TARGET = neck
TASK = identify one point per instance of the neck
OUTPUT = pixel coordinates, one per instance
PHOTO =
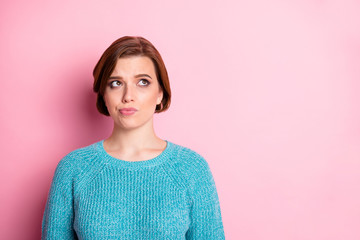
(133, 139)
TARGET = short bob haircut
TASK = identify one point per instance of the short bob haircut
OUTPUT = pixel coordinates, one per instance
(126, 47)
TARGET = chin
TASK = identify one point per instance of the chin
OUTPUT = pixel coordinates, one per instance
(130, 126)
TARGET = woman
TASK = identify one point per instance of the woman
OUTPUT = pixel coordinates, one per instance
(132, 185)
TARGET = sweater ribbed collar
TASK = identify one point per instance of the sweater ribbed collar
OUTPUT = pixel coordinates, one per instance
(161, 158)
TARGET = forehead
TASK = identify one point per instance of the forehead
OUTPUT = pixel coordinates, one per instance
(134, 65)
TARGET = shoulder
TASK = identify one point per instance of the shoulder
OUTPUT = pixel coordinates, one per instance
(191, 171)
(78, 160)
(187, 156)
(82, 153)
(188, 164)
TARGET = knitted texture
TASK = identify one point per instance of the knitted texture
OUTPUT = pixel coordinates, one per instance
(96, 196)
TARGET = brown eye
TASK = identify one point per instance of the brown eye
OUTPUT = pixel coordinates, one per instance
(115, 83)
(144, 82)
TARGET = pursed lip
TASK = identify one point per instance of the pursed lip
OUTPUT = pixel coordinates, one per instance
(127, 111)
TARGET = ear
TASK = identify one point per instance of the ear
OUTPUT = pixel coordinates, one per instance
(103, 97)
(160, 96)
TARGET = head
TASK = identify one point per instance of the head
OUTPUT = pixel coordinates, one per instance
(127, 47)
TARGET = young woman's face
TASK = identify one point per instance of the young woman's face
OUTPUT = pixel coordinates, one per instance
(132, 92)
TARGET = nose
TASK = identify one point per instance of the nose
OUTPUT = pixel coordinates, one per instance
(128, 94)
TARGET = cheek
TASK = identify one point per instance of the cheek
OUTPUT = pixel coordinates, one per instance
(154, 99)
(109, 101)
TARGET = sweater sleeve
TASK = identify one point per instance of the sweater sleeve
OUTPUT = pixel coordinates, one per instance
(57, 222)
(206, 221)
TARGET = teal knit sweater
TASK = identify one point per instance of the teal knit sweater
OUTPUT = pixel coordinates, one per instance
(95, 196)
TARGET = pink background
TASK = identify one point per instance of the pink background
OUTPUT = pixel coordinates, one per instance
(266, 91)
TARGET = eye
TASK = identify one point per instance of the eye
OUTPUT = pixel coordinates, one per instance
(144, 82)
(115, 83)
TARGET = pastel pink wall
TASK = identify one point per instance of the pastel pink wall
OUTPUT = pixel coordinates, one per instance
(267, 91)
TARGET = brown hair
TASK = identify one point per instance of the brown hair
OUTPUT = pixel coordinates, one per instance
(125, 47)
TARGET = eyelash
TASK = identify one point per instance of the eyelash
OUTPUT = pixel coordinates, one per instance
(146, 81)
(111, 84)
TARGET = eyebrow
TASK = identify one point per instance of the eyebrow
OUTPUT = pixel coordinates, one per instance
(138, 75)
(143, 75)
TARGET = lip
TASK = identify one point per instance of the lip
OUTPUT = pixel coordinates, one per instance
(127, 111)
